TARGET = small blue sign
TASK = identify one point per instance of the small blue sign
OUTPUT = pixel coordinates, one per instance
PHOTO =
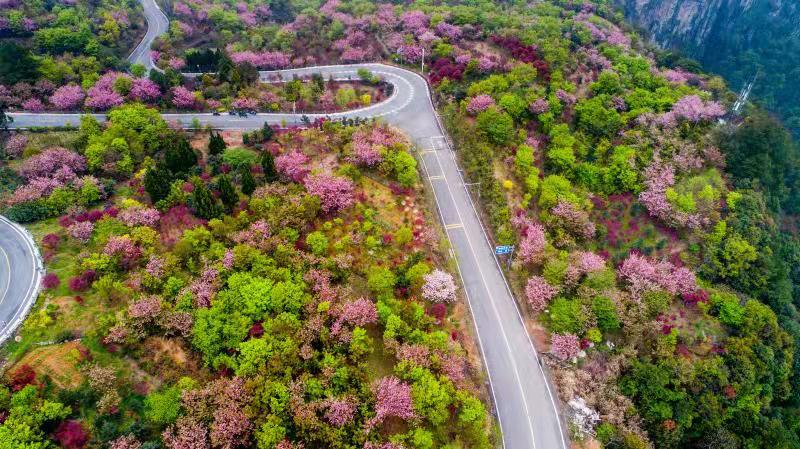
(504, 249)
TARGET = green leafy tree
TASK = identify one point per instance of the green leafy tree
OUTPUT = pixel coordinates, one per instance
(496, 125)
(30, 418)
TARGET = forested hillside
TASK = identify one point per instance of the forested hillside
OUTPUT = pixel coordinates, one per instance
(291, 291)
(738, 39)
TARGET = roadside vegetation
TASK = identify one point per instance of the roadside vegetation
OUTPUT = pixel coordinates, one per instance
(655, 239)
(285, 292)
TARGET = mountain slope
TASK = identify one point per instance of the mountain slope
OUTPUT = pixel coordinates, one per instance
(735, 38)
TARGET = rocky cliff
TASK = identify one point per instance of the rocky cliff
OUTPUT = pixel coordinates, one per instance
(735, 38)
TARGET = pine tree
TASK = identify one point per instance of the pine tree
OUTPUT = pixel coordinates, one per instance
(202, 202)
(267, 132)
(216, 144)
(248, 182)
(157, 182)
(268, 164)
(227, 192)
(179, 156)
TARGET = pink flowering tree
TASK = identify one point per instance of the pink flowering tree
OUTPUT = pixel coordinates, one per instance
(33, 105)
(335, 193)
(81, 231)
(155, 266)
(584, 262)
(340, 412)
(293, 165)
(186, 434)
(439, 286)
(564, 347)
(144, 90)
(125, 442)
(360, 312)
(67, 98)
(539, 293)
(183, 98)
(692, 109)
(50, 161)
(102, 98)
(643, 275)
(392, 399)
(15, 145)
(540, 106)
(231, 427)
(532, 244)
(479, 104)
(139, 216)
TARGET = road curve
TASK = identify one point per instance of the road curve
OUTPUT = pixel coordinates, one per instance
(526, 406)
(157, 24)
(20, 276)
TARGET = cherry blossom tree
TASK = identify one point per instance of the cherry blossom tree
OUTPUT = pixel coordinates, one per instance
(48, 162)
(15, 145)
(155, 266)
(539, 293)
(449, 31)
(183, 98)
(139, 216)
(439, 286)
(231, 428)
(293, 165)
(340, 411)
(100, 98)
(335, 193)
(126, 442)
(532, 243)
(643, 275)
(540, 106)
(360, 312)
(144, 90)
(186, 434)
(33, 105)
(392, 399)
(68, 97)
(123, 247)
(564, 346)
(479, 103)
(81, 231)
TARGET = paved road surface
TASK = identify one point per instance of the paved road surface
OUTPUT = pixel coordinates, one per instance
(20, 276)
(157, 24)
(525, 405)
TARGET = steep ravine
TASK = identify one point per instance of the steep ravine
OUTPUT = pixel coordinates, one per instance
(734, 38)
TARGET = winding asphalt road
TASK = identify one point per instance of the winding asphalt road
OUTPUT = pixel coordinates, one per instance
(20, 276)
(157, 24)
(526, 406)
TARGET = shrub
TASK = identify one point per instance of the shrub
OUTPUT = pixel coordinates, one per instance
(51, 281)
(566, 316)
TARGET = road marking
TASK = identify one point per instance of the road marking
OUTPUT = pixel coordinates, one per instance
(454, 226)
(8, 270)
(509, 350)
(505, 281)
(436, 178)
(31, 292)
